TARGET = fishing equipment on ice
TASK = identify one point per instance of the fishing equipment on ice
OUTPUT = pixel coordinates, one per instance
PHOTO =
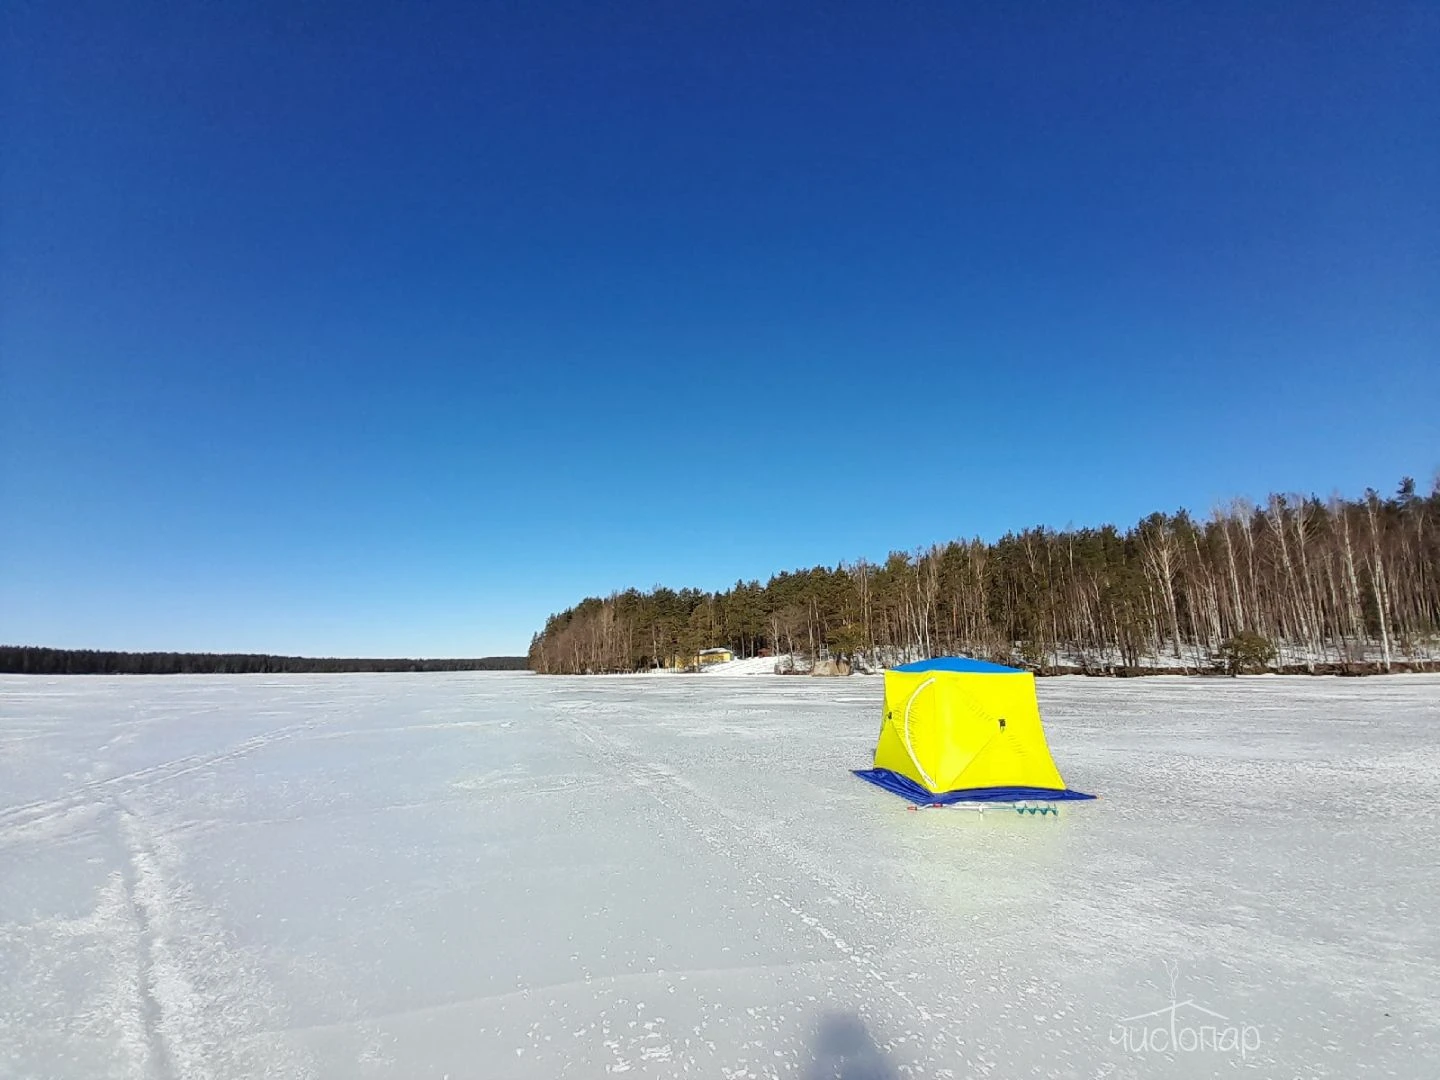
(997, 807)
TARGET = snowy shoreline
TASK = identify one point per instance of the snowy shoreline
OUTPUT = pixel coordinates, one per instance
(768, 666)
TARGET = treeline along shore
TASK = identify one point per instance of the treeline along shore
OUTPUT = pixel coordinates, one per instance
(1293, 583)
(33, 660)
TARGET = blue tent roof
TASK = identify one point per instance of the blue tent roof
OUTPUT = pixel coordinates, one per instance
(962, 664)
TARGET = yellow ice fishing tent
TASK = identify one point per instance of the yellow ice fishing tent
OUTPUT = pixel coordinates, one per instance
(958, 730)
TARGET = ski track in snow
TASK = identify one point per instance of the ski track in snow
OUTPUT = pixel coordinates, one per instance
(493, 875)
(18, 822)
(713, 824)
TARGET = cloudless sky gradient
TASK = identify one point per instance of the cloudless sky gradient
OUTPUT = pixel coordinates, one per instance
(389, 329)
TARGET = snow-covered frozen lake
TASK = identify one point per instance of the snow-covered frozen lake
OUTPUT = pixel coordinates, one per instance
(504, 876)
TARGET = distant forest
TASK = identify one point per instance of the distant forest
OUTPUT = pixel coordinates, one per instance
(29, 660)
(1297, 582)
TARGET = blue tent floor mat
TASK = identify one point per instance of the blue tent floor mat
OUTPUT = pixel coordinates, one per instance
(909, 789)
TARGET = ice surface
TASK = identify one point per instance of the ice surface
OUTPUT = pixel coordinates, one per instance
(496, 875)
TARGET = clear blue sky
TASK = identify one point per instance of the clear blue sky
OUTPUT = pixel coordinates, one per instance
(347, 328)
